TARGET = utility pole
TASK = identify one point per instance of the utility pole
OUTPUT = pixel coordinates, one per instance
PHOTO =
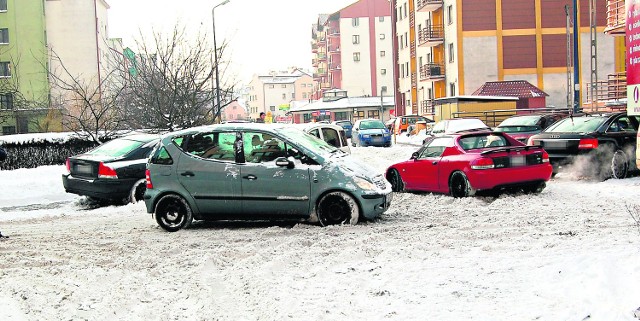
(576, 59)
(569, 60)
(594, 54)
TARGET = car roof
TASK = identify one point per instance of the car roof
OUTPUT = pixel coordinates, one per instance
(227, 126)
(310, 126)
(140, 137)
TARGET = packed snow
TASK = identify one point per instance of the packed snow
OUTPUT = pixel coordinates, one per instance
(569, 253)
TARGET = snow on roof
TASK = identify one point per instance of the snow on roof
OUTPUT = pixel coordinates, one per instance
(345, 103)
(514, 88)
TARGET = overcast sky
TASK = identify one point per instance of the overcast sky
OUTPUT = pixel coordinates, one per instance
(264, 34)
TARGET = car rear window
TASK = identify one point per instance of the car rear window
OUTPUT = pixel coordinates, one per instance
(483, 141)
(577, 125)
(517, 129)
(116, 148)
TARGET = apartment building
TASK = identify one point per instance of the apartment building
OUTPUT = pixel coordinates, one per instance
(78, 46)
(353, 49)
(23, 58)
(450, 48)
(273, 93)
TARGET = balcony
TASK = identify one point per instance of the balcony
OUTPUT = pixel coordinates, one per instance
(334, 50)
(432, 72)
(608, 94)
(429, 5)
(322, 56)
(314, 48)
(431, 36)
(334, 33)
(315, 62)
(427, 108)
(616, 14)
(334, 67)
(325, 85)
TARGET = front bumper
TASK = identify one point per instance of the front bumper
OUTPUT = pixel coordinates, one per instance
(375, 204)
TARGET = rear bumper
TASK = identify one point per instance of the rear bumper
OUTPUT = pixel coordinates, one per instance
(488, 179)
(111, 189)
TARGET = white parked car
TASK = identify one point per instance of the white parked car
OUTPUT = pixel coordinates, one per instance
(334, 135)
(456, 125)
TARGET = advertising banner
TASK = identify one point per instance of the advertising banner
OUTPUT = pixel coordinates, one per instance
(632, 41)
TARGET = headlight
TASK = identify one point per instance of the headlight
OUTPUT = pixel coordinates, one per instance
(364, 184)
(366, 136)
(387, 134)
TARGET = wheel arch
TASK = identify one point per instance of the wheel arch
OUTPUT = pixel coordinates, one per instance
(194, 209)
(350, 193)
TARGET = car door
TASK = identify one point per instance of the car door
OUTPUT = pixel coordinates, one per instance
(423, 173)
(214, 183)
(269, 189)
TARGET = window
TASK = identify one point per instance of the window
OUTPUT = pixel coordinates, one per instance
(401, 42)
(5, 70)
(373, 114)
(405, 9)
(356, 56)
(356, 39)
(260, 147)
(406, 39)
(382, 36)
(6, 101)
(272, 108)
(436, 147)
(381, 19)
(304, 95)
(383, 71)
(452, 89)
(284, 96)
(451, 55)
(341, 115)
(355, 21)
(383, 53)
(271, 86)
(4, 35)
(3, 7)
(450, 14)
(284, 86)
(8, 130)
(293, 95)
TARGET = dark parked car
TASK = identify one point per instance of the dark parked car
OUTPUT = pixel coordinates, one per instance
(606, 142)
(113, 171)
(521, 127)
(346, 124)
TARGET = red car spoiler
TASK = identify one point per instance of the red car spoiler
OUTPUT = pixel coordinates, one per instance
(510, 149)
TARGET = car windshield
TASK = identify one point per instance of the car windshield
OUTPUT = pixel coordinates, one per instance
(372, 124)
(577, 125)
(516, 128)
(307, 141)
(116, 148)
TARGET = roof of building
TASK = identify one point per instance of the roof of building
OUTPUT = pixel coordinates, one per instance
(446, 100)
(514, 88)
(345, 103)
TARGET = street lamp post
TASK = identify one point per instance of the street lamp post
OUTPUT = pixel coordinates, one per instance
(216, 113)
(383, 89)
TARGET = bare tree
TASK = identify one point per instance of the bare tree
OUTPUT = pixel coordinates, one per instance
(170, 85)
(92, 107)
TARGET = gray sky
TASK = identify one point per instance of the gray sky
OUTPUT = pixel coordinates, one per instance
(264, 34)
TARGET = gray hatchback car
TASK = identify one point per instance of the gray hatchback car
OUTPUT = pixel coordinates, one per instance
(258, 172)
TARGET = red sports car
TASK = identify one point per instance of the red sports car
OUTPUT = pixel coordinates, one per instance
(463, 163)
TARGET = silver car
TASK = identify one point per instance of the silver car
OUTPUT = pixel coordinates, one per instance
(257, 172)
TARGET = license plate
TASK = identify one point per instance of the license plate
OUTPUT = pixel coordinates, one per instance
(518, 160)
(377, 139)
(554, 144)
(83, 169)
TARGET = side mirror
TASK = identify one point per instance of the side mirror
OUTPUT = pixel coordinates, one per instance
(284, 162)
(414, 155)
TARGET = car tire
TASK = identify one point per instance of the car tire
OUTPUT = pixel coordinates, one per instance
(397, 185)
(137, 192)
(459, 185)
(173, 213)
(336, 208)
(535, 188)
(619, 165)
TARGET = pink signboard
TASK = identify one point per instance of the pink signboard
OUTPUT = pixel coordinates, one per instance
(632, 34)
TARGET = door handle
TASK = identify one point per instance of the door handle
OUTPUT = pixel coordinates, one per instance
(188, 174)
(250, 177)
(434, 163)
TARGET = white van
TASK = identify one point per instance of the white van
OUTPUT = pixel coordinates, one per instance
(334, 135)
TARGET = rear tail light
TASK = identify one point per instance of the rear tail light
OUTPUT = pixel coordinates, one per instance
(545, 157)
(105, 171)
(482, 163)
(147, 176)
(68, 164)
(588, 143)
